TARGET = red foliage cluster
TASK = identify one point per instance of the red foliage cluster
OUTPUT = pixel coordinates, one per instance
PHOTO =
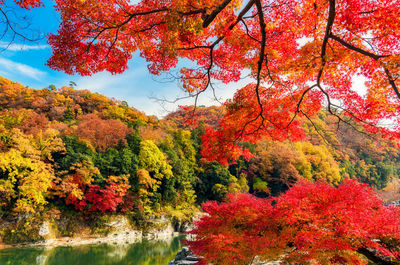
(27, 4)
(27, 121)
(312, 222)
(246, 119)
(99, 199)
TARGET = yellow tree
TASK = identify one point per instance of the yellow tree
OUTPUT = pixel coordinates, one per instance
(24, 177)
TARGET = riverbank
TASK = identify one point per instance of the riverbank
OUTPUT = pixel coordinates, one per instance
(125, 237)
(116, 230)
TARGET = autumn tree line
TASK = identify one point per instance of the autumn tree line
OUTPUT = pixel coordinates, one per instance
(73, 149)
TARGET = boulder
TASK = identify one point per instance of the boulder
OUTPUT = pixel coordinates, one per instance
(185, 257)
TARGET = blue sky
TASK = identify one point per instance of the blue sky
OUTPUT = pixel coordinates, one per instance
(24, 62)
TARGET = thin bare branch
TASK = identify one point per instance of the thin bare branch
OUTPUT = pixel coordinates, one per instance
(354, 48)
(375, 57)
(209, 18)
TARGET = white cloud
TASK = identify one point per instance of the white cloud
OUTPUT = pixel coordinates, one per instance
(105, 81)
(13, 69)
(21, 47)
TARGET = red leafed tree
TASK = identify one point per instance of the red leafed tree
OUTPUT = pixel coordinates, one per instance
(104, 199)
(96, 198)
(101, 134)
(99, 199)
(301, 54)
(312, 223)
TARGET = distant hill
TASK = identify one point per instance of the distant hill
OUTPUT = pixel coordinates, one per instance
(187, 117)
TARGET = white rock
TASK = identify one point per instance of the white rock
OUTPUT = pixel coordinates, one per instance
(44, 229)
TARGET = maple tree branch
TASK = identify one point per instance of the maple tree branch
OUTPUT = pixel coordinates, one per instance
(367, 12)
(209, 18)
(262, 52)
(391, 82)
(150, 27)
(329, 24)
(102, 29)
(238, 19)
(259, 69)
(209, 68)
(299, 104)
(191, 95)
(328, 35)
(340, 119)
(328, 29)
(208, 74)
(113, 43)
(316, 128)
(375, 57)
(247, 31)
(132, 15)
(212, 46)
(352, 115)
(354, 48)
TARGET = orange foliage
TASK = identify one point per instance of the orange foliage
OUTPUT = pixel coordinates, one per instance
(101, 134)
(184, 117)
(27, 121)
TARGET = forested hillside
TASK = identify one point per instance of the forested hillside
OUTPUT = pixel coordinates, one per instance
(71, 149)
(330, 152)
(81, 149)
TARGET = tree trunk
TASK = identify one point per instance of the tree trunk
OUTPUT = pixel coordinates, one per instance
(377, 259)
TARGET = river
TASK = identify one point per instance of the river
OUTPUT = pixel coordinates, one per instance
(147, 252)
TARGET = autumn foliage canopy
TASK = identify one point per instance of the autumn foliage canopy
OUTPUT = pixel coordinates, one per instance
(302, 56)
(312, 222)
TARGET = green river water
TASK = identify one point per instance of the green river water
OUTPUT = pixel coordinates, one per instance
(144, 253)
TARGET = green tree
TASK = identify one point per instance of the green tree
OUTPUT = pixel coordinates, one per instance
(69, 115)
(182, 157)
(215, 181)
(152, 160)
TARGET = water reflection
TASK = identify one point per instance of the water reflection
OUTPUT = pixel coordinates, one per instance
(144, 253)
